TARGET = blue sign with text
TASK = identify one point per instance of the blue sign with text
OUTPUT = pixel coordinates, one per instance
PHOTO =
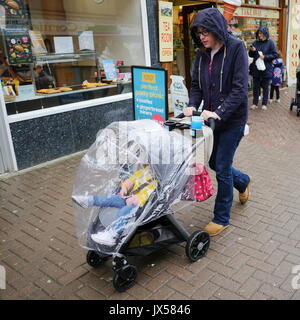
(150, 94)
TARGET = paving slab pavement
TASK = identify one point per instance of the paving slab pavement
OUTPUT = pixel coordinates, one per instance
(253, 259)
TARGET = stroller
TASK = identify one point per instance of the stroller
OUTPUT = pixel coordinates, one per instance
(119, 150)
(296, 101)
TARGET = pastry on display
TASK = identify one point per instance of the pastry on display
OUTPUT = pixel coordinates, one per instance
(9, 98)
(110, 81)
(42, 91)
(65, 89)
(53, 91)
(48, 91)
(89, 85)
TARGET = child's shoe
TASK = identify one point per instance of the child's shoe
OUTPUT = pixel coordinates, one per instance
(264, 107)
(278, 100)
(106, 237)
(253, 107)
(82, 201)
(271, 100)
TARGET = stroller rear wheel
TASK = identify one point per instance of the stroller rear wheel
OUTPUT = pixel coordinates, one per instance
(197, 245)
(292, 104)
(125, 277)
(94, 259)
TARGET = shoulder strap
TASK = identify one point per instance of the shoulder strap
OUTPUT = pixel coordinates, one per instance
(142, 186)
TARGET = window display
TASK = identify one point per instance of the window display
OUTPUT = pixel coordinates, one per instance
(245, 28)
(246, 21)
(60, 48)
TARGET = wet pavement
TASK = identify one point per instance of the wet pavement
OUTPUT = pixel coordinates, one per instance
(253, 259)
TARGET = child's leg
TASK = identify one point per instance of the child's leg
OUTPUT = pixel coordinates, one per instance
(277, 93)
(107, 201)
(125, 211)
(123, 218)
(272, 92)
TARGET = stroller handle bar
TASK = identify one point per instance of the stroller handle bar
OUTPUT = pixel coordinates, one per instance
(211, 122)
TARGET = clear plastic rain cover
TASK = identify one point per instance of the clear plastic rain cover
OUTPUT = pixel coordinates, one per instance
(131, 176)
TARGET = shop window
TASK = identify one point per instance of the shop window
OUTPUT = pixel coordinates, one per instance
(65, 51)
(246, 22)
(245, 28)
(269, 3)
(252, 1)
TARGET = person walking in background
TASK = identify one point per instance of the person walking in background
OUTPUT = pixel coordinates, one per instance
(263, 48)
(277, 77)
(220, 81)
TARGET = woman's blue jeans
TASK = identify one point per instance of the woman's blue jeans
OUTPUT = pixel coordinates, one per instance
(225, 145)
(115, 201)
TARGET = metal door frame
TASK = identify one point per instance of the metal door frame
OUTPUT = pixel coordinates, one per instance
(7, 153)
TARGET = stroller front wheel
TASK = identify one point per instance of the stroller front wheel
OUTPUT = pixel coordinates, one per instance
(94, 259)
(197, 245)
(125, 277)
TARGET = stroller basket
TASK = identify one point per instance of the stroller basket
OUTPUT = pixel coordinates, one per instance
(148, 240)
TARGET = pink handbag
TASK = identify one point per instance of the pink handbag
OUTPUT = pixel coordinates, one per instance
(199, 186)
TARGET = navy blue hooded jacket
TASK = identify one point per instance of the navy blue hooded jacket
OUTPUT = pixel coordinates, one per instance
(225, 91)
(267, 47)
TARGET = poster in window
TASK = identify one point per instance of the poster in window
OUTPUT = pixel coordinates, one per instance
(63, 45)
(166, 31)
(18, 46)
(15, 10)
(38, 44)
(86, 40)
(110, 69)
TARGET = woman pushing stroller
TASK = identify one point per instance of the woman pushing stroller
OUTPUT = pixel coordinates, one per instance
(134, 193)
(220, 80)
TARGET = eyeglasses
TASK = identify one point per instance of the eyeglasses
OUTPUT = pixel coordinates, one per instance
(203, 33)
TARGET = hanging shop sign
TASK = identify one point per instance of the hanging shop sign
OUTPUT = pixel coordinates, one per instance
(294, 40)
(165, 31)
(253, 13)
(150, 93)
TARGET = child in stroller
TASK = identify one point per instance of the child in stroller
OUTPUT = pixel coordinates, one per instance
(296, 101)
(162, 160)
(134, 193)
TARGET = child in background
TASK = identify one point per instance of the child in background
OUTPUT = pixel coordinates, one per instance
(277, 77)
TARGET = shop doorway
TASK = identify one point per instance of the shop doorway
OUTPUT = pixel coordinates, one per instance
(184, 49)
(189, 13)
